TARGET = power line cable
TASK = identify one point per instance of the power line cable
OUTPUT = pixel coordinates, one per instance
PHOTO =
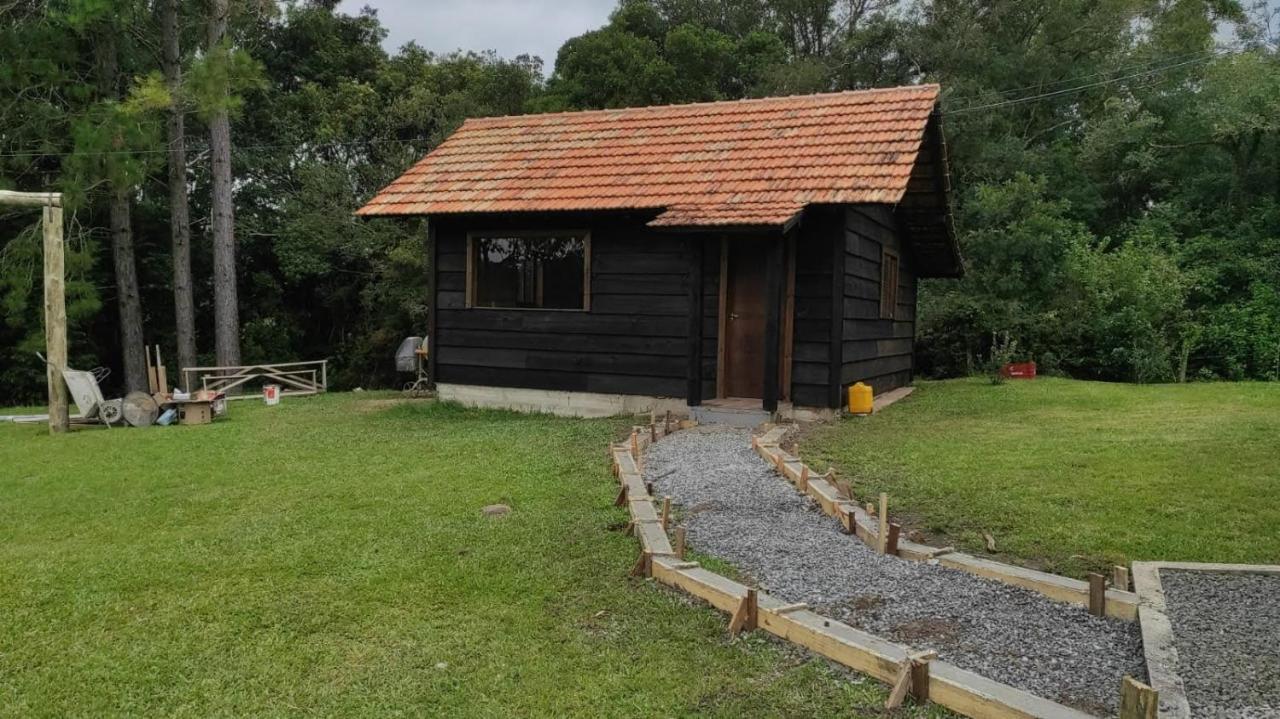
(1079, 88)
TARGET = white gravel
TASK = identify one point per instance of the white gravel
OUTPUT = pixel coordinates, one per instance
(735, 507)
(1226, 627)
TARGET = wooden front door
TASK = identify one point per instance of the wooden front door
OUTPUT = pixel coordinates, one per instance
(744, 317)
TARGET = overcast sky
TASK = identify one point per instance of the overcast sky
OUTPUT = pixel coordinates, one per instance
(512, 27)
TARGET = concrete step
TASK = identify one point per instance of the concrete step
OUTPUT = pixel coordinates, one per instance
(733, 417)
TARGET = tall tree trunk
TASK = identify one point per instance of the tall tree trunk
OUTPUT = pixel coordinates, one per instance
(179, 214)
(226, 312)
(127, 296)
(128, 299)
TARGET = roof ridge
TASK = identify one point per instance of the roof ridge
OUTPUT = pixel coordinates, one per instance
(740, 101)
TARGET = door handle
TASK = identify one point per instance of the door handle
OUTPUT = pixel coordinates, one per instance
(733, 315)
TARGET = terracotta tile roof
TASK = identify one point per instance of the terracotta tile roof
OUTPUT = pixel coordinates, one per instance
(746, 162)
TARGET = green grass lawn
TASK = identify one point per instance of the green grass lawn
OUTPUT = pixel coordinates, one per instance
(1075, 476)
(328, 557)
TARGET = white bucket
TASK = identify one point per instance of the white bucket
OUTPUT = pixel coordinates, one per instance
(271, 394)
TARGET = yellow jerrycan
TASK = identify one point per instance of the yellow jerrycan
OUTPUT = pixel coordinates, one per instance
(860, 399)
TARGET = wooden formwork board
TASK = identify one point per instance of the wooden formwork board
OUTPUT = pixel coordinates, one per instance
(1158, 644)
(1120, 604)
(950, 686)
(642, 510)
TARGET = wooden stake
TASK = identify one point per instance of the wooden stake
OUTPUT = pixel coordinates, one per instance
(847, 521)
(913, 675)
(1137, 700)
(679, 542)
(804, 479)
(635, 445)
(745, 617)
(900, 686)
(648, 488)
(882, 531)
(1120, 578)
(666, 425)
(153, 385)
(891, 544)
(162, 375)
(622, 497)
(666, 512)
(1097, 594)
(643, 566)
(55, 316)
(920, 674)
(653, 432)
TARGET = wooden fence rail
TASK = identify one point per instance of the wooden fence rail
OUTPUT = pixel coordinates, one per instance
(295, 378)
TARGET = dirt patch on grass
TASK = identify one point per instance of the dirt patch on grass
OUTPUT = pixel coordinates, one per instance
(369, 406)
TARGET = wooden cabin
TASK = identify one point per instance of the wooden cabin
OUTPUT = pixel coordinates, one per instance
(757, 253)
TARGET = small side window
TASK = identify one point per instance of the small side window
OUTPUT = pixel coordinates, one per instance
(888, 285)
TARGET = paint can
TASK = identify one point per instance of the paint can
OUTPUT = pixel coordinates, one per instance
(271, 394)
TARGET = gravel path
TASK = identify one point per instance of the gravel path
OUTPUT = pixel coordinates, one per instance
(1226, 628)
(736, 508)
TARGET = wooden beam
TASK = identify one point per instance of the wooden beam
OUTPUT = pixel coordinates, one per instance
(30, 199)
(693, 390)
(433, 296)
(772, 324)
(55, 317)
(1137, 700)
(722, 314)
(835, 351)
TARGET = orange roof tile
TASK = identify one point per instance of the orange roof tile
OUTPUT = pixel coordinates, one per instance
(748, 162)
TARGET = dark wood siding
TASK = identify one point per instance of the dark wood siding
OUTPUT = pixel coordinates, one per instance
(811, 348)
(634, 340)
(874, 350)
(710, 313)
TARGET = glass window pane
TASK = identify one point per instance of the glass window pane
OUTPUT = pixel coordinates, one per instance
(529, 272)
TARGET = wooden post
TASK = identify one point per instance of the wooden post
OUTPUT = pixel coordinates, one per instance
(1120, 578)
(913, 676)
(882, 529)
(55, 317)
(679, 542)
(745, 617)
(635, 445)
(804, 478)
(666, 424)
(1137, 700)
(653, 432)
(891, 545)
(1097, 594)
(920, 675)
(666, 512)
